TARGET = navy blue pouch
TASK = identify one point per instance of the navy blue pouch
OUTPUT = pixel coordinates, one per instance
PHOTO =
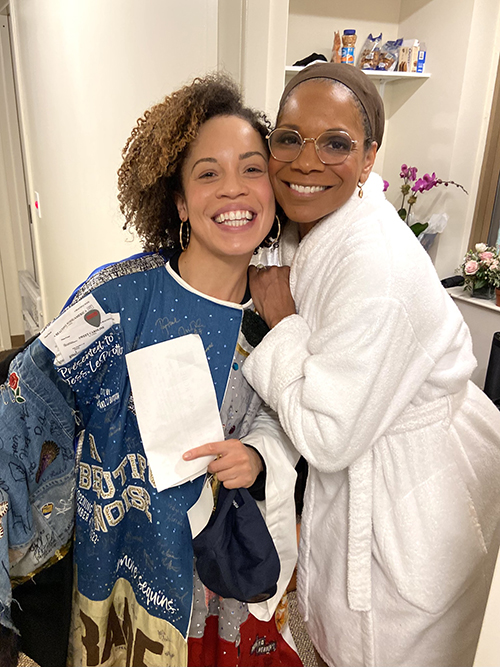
(235, 554)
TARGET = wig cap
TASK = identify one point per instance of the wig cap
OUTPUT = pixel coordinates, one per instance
(355, 80)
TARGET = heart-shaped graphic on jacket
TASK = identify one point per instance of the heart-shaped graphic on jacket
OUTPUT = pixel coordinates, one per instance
(93, 317)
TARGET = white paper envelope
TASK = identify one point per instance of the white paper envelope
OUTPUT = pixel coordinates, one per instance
(77, 328)
(176, 406)
(199, 514)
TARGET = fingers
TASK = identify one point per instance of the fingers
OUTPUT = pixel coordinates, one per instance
(209, 449)
(231, 477)
(232, 463)
(270, 289)
(221, 450)
(236, 464)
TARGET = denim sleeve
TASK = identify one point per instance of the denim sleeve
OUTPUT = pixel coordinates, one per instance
(37, 469)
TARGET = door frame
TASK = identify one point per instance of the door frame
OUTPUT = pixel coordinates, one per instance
(490, 174)
(16, 249)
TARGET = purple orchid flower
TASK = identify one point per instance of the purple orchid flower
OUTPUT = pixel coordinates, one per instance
(425, 183)
(386, 185)
(409, 192)
(408, 173)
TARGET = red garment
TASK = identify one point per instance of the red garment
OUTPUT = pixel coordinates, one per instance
(261, 645)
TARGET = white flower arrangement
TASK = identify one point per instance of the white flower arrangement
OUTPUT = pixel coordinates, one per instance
(481, 267)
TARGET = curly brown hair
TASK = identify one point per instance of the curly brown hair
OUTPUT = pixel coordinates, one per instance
(150, 174)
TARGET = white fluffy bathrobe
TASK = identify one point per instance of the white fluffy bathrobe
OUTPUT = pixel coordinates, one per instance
(371, 381)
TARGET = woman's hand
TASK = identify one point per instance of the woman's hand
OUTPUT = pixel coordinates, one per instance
(236, 464)
(270, 289)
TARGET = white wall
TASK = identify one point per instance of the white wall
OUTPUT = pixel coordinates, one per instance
(230, 26)
(87, 71)
(252, 48)
(483, 320)
(313, 22)
(264, 53)
(488, 648)
(438, 124)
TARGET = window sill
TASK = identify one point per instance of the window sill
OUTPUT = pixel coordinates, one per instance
(460, 294)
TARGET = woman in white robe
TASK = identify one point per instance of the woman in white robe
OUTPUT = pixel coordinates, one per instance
(368, 365)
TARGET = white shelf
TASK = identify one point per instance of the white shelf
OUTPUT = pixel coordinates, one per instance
(395, 76)
(376, 74)
(380, 76)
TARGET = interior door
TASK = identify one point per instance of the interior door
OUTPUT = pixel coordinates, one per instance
(16, 245)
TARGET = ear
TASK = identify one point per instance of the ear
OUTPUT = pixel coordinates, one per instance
(180, 202)
(369, 160)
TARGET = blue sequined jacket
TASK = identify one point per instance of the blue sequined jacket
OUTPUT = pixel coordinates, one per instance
(133, 550)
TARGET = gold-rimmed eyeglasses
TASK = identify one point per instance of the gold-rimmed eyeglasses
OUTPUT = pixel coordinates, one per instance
(332, 147)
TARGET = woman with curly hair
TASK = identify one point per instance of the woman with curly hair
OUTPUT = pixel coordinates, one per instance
(194, 186)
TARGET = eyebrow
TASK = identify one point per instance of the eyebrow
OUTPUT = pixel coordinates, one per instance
(242, 156)
(204, 159)
(296, 128)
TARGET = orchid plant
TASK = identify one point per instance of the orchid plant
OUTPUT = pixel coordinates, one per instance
(411, 188)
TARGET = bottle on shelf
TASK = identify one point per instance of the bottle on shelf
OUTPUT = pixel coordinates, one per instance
(348, 44)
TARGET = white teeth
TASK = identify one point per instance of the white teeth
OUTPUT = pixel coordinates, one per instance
(234, 218)
(307, 189)
(235, 223)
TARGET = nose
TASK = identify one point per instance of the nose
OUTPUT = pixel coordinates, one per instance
(308, 159)
(232, 185)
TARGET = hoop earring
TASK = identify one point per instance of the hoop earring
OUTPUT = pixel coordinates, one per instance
(269, 239)
(188, 234)
(360, 191)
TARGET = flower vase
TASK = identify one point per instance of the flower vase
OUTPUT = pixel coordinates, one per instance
(497, 294)
(483, 292)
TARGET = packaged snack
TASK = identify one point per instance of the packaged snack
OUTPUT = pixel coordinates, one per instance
(336, 47)
(422, 51)
(348, 43)
(389, 53)
(370, 53)
(408, 56)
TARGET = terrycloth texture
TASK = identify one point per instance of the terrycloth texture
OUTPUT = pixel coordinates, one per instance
(371, 382)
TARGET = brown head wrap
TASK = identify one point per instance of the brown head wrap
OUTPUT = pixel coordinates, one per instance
(355, 80)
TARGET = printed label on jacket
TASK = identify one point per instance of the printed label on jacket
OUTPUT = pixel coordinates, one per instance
(76, 329)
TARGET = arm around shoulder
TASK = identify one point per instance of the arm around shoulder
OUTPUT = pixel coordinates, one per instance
(338, 387)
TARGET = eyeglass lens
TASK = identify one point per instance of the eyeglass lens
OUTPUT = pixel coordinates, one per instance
(332, 147)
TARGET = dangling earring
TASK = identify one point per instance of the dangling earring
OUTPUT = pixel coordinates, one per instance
(269, 239)
(188, 234)
(360, 191)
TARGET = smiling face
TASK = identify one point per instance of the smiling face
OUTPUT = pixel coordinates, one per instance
(306, 188)
(227, 195)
